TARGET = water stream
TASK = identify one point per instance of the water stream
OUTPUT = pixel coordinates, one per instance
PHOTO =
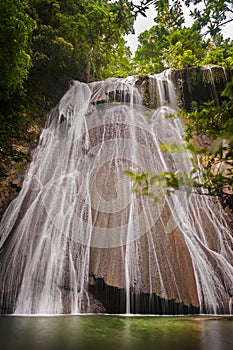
(77, 221)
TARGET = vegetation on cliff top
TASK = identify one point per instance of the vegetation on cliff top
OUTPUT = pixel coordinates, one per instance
(47, 43)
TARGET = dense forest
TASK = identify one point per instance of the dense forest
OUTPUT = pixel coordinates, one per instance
(45, 44)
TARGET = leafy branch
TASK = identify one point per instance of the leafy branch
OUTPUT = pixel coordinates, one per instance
(213, 175)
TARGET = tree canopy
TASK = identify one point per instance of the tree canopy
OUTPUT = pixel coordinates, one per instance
(169, 43)
(16, 28)
(47, 43)
(77, 40)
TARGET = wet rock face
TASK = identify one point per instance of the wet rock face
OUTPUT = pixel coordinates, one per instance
(173, 273)
(191, 84)
(200, 84)
(82, 241)
(114, 300)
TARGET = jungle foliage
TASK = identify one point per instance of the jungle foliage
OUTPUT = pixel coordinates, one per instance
(16, 28)
(45, 44)
(170, 44)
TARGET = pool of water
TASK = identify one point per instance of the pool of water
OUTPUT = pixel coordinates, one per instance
(116, 332)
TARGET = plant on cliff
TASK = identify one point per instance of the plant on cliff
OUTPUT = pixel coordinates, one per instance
(216, 163)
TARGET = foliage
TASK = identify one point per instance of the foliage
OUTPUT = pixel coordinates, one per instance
(164, 182)
(181, 47)
(16, 29)
(76, 41)
(212, 172)
(148, 57)
(215, 121)
(221, 55)
(185, 48)
(170, 15)
(211, 14)
(208, 15)
(177, 46)
(47, 43)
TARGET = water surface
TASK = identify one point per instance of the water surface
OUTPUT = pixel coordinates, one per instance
(116, 332)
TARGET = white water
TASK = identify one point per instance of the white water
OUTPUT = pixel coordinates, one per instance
(77, 200)
(212, 81)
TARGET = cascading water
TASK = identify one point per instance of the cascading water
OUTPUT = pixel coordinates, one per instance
(76, 222)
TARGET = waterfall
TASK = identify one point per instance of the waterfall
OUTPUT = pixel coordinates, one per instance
(77, 222)
(212, 81)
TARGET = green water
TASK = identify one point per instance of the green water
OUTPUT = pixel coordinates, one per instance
(115, 332)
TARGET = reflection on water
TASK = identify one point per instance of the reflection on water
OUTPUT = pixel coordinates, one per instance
(115, 332)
